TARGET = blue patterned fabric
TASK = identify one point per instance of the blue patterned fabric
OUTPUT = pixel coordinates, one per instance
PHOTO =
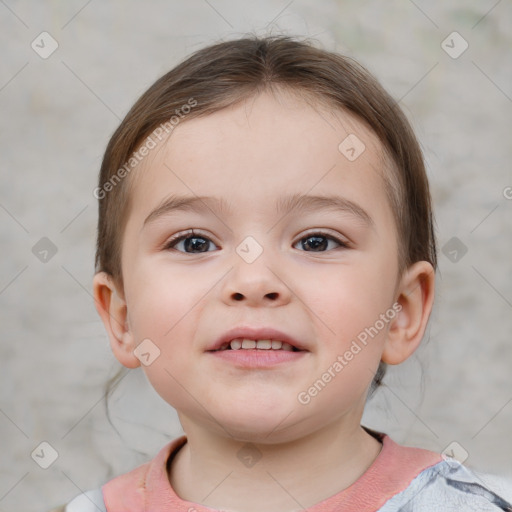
(448, 486)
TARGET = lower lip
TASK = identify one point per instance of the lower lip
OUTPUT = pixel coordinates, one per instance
(257, 358)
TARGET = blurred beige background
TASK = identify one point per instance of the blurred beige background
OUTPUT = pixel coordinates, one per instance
(58, 112)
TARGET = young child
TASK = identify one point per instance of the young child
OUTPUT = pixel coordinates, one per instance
(265, 248)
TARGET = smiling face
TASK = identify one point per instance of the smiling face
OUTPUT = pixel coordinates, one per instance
(321, 272)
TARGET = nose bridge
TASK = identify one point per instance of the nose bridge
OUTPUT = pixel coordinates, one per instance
(255, 277)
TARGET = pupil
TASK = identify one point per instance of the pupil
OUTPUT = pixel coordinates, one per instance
(190, 245)
(318, 242)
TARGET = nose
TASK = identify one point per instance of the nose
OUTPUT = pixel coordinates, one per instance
(260, 283)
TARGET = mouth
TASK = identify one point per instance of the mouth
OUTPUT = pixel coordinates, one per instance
(267, 345)
(261, 354)
(258, 340)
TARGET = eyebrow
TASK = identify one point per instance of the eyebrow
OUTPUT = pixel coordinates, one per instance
(304, 203)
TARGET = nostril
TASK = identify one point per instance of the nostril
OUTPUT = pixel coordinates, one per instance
(272, 295)
(238, 296)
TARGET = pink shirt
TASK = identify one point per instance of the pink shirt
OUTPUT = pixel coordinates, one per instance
(147, 488)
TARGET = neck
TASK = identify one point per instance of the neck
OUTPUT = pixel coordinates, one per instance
(216, 471)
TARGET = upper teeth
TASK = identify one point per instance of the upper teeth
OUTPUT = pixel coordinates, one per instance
(239, 343)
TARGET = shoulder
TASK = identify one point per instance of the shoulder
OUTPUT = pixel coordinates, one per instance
(90, 501)
(447, 486)
(126, 492)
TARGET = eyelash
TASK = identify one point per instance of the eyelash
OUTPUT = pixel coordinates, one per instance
(192, 234)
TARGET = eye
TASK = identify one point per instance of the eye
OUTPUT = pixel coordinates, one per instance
(195, 242)
(319, 242)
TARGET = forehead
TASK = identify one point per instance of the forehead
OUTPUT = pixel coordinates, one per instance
(256, 151)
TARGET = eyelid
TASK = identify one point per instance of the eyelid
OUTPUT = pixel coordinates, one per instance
(341, 239)
(187, 233)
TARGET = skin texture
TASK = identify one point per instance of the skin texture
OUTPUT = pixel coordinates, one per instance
(251, 155)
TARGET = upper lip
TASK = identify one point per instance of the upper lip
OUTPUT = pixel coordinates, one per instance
(255, 333)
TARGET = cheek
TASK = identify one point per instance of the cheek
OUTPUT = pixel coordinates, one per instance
(164, 309)
(159, 299)
(350, 336)
(351, 294)
(349, 307)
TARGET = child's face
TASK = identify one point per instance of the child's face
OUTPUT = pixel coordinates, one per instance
(252, 157)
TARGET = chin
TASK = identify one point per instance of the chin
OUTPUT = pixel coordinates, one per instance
(260, 425)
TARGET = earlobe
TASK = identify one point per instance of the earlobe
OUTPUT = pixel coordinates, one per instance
(112, 308)
(415, 297)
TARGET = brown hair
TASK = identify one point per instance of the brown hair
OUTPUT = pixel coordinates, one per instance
(228, 72)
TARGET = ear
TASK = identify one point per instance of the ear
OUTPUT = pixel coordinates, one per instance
(415, 297)
(112, 308)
